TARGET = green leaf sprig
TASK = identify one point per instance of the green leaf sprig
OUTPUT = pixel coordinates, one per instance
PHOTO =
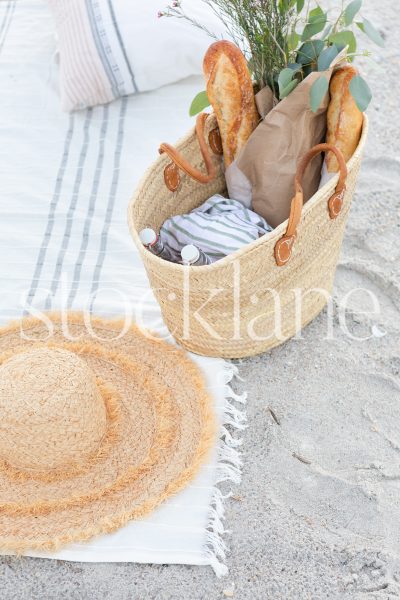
(322, 40)
(285, 40)
(199, 103)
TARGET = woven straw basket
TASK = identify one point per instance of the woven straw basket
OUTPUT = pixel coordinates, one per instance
(266, 292)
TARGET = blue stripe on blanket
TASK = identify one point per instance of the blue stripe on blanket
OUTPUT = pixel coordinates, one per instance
(111, 199)
(90, 208)
(52, 211)
(72, 207)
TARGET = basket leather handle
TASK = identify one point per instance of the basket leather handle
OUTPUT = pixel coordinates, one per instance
(171, 172)
(284, 246)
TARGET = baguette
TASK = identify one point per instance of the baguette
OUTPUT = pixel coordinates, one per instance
(344, 119)
(231, 94)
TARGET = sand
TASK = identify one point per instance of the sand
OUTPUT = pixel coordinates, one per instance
(318, 511)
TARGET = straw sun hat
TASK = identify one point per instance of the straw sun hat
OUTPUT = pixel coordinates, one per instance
(94, 431)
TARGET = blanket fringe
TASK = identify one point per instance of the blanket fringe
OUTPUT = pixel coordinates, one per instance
(229, 468)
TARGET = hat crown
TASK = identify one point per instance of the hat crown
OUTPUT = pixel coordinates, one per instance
(52, 413)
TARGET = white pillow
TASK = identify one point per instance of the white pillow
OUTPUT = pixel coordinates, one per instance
(111, 48)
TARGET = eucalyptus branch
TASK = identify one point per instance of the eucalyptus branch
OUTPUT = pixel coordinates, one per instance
(335, 26)
(267, 33)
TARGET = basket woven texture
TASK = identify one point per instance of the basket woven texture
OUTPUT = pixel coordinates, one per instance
(243, 304)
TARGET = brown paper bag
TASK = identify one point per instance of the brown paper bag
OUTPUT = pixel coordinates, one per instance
(267, 164)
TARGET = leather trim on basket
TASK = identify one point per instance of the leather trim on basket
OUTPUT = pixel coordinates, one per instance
(283, 250)
(335, 203)
(215, 141)
(171, 172)
(283, 247)
(172, 177)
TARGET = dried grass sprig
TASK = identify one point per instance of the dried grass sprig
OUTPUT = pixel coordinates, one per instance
(261, 29)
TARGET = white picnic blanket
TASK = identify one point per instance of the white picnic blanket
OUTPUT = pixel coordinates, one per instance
(65, 183)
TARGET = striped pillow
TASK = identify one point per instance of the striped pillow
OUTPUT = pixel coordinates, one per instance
(112, 48)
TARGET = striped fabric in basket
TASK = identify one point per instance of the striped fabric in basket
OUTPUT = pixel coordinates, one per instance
(219, 227)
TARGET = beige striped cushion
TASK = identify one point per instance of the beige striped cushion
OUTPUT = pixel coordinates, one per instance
(112, 48)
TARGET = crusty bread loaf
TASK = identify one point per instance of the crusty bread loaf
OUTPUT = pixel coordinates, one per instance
(344, 119)
(230, 91)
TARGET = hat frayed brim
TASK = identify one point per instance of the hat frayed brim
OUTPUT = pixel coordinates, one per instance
(160, 428)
